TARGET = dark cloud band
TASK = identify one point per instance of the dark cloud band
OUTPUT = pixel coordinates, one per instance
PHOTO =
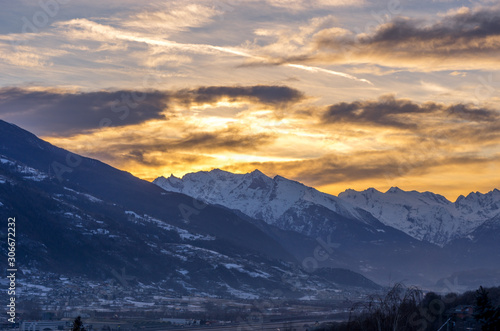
(392, 112)
(467, 38)
(276, 96)
(60, 113)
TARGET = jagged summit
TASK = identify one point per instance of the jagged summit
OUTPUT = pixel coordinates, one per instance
(394, 189)
(255, 194)
(258, 172)
(423, 215)
(426, 215)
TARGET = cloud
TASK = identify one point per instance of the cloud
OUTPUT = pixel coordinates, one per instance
(293, 41)
(170, 17)
(155, 147)
(331, 168)
(144, 162)
(53, 112)
(378, 141)
(403, 113)
(305, 4)
(88, 30)
(376, 168)
(17, 53)
(461, 40)
(229, 139)
(461, 30)
(23, 59)
(275, 96)
(472, 113)
(60, 113)
(383, 111)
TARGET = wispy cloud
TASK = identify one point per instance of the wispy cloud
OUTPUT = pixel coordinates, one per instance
(86, 29)
(409, 168)
(166, 18)
(303, 4)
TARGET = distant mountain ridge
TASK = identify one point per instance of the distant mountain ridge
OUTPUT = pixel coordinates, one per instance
(254, 194)
(425, 216)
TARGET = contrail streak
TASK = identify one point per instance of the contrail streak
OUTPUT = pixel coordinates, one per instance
(108, 31)
(331, 72)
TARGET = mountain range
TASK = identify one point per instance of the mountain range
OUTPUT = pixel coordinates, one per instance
(79, 217)
(424, 216)
(422, 233)
(236, 235)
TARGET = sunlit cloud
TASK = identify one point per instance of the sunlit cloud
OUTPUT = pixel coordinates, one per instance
(407, 169)
(60, 112)
(170, 17)
(295, 88)
(303, 4)
(386, 141)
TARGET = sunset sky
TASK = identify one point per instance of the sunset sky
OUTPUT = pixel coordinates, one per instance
(336, 94)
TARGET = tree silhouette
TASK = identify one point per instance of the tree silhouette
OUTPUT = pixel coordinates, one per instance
(78, 324)
(485, 313)
(390, 312)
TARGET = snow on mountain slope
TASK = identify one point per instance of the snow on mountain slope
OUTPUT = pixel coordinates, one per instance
(427, 216)
(254, 194)
(478, 206)
(285, 203)
(27, 172)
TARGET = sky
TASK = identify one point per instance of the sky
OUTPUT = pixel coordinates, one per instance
(336, 94)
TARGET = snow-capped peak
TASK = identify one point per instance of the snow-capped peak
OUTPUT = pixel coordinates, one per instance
(423, 215)
(254, 193)
(479, 206)
(394, 189)
(426, 215)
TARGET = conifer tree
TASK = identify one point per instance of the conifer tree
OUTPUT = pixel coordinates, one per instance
(78, 324)
(484, 312)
